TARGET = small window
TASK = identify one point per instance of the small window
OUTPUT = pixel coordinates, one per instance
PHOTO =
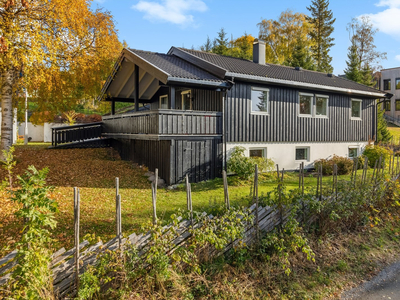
(259, 152)
(387, 105)
(397, 104)
(306, 103)
(356, 108)
(386, 84)
(303, 153)
(353, 152)
(259, 100)
(397, 83)
(321, 106)
(164, 102)
(186, 100)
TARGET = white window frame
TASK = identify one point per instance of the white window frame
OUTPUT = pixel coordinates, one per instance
(308, 154)
(327, 106)
(182, 97)
(351, 107)
(260, 89)
(353, 147)
(160, 104)
(264, 149)
(311, 107)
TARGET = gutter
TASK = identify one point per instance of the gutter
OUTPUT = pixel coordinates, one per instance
(179, 80)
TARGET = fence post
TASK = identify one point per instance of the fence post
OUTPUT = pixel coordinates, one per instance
(119, 221)
(190, 204)
(187, 192)
(256, 196)
(320, 184)
(76, 224)
(226, 192)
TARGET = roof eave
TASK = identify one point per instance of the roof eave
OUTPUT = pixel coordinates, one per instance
(305, 85)
(197, 82)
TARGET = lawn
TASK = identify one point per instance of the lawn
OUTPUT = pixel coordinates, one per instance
(395, 131)
(94, 172)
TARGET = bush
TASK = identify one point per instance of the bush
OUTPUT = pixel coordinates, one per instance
(344, 165)
(93, 118)
(243, 166)
(373, 152)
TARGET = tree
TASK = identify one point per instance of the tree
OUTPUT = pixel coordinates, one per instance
(322, 22)
(301, 57)
(220, 44)
(58, 45)
(362, 33)
(281, 36)
(353, 64)
(242, 47)
(383, 134)
(207, 47)
(366, 75)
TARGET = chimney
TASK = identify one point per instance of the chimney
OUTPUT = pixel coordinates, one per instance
(259, 52)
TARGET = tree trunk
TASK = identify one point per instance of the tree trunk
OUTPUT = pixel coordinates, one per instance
(6, 110)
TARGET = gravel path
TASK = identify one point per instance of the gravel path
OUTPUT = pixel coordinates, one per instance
(386, 285)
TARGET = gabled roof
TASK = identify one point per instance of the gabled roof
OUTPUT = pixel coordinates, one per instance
(248, 70)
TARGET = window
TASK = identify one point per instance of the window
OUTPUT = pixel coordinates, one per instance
(397, 104)
(259, 100)
(386, 84)
(397, 83)
(186, 100)
(306, 103)
(356, 109)
(258, 152)
(164, 102)
(321, 106)
(303, 153)
(353, 152)
(387, 105)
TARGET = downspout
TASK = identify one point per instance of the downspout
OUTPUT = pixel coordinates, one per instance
(224, 123)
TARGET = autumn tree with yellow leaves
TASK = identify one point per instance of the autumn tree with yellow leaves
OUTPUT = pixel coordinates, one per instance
(60, 50)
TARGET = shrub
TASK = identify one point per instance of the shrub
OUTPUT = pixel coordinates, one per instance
(373, 152)
(93, 118)
(344, 165)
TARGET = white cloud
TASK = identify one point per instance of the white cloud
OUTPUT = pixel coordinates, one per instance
(387, 21)
(173, 11)
(397, 57)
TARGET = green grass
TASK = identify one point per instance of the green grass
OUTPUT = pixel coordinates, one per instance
(395, 131)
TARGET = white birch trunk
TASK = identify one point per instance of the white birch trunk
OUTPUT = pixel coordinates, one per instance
(6, 110)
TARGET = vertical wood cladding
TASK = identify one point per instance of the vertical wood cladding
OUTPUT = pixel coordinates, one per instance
(283, 123)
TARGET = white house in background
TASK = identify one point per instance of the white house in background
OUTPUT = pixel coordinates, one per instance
(390, 82)
(39, 133)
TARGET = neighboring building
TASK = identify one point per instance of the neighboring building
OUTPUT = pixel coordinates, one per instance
(202, 105)
(390, 83)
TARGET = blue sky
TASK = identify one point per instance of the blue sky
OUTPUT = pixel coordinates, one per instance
(156, 25)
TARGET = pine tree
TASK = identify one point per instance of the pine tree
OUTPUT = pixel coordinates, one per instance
(322, 21)
(353, 65)
(301, 57)
(220, 44)
(366, 75)
(384, 134)
(207, 47)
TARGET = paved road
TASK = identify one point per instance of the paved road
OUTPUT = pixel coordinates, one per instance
(386, 285)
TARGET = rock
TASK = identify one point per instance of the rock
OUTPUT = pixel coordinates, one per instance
(160, 182)
(148, 173)
(152, 177)
(173, 187)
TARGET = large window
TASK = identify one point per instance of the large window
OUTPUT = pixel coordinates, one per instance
(397, 104)
(164, 102)
(186, 100)
(306, 104)
(356, 109)
(387, 105)
(259, 100)
(353, 152)
(321, 106)
(386, 84)
(397, 83)
(303, 153)
(258, 152)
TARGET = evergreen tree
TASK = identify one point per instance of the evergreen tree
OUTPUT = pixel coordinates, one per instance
(366, 75)
(207, 47)
(384, 134)
(322, 21)
(301, 56)
(353, 65)
(220, 44)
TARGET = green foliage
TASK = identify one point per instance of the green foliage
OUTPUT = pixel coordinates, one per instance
(384, 134)
(220, 44)
(32, 278)
(322, 22)
(9, 164)
(374, 152)
(301, 57)
(243, 166)
(353, 64)
(344, 165)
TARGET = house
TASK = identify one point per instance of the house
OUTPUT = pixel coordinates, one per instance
(195, 107)
(390, 82)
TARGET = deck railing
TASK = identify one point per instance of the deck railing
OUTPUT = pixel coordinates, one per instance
(165, 122)
(394, 120)
(76, 133)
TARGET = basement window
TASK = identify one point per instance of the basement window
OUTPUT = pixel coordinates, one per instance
(164, 102)
(303, 153)
(258, 152)
(353, 152)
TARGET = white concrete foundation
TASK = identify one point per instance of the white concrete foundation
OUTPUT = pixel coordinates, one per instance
(39, 133)
(284, 154)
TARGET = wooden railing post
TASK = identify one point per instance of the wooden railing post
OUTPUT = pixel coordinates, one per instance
(76, 223)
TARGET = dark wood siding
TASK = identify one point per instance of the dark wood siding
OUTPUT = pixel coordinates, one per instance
(283, 123)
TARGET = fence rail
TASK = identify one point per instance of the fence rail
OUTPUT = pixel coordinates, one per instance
(76, 133)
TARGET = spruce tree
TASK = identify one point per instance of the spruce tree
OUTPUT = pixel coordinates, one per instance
(220, 44)
(366, 75)
(301, 56)
(353, 65)
(322, 22)
(384, 134)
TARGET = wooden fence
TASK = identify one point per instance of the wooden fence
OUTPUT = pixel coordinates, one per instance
(66, 265)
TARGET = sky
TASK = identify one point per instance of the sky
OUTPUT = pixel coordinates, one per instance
(156, 25)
